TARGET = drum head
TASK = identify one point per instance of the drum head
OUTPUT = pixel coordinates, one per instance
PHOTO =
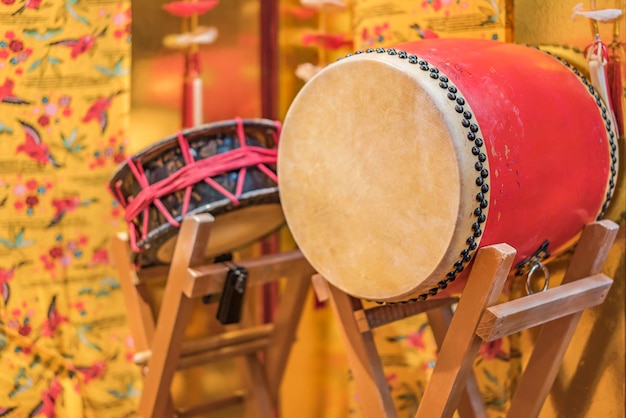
(371, 178)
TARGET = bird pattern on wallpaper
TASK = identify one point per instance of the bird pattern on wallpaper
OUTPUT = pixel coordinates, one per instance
(65, 349)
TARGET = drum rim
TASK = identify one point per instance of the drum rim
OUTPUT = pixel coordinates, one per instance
(149, 152)
(215, 208)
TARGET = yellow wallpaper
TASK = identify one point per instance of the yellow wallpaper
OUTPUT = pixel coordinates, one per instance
(64, 89)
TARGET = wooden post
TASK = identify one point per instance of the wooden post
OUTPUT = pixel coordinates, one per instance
(555, 336)
(461, 344)
(173, 317)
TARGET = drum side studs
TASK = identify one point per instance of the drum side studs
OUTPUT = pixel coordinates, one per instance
(484, 188)
(444, 79)
(380, 50)
(443, 84)
(482, 157)
(479, 166)
(434, 75)
(451, 96)
(479, 181)
(459, 109)
(471, 136)
(460, 101)
(424, 67)
(465, 123)
(467, 115)
(452, 89)
(474, 128)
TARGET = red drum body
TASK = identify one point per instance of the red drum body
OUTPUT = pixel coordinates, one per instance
(397, 164)
(227, 169)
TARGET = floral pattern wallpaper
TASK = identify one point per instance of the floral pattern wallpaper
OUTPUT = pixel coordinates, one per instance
(65, 350)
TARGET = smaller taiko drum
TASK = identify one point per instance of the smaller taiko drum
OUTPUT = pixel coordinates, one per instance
(226, 168)
(397, 164)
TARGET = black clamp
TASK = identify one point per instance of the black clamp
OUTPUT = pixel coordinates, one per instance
(231, 300)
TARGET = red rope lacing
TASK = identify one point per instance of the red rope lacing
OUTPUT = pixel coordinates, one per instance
(186, 177)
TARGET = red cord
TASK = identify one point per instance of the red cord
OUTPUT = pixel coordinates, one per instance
(189, 175)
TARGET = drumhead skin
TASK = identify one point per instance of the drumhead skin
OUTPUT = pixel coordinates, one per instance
(256, 213)
(396, 165)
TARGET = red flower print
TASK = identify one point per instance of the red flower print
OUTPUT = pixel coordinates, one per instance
(9, 2)
(4, 54)
(48, 400)
(491, 350)
(416, 340)
(93, 372)
(100, 256)
(32, 201)
(9, 34)
(16, 45)
(43, 120)
(54, 319)
(81, 45)
(56, 252)
(31, 184)
(25, 330)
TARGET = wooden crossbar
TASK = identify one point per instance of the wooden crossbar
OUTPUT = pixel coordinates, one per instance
(539, 308)
(227, 339)
(209, 279)
(235, 398)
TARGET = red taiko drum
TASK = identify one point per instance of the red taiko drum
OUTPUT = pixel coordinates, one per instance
(225, 168)
(397, 164)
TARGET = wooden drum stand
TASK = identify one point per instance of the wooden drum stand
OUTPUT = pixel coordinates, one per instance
(478, 318)
(159, 343)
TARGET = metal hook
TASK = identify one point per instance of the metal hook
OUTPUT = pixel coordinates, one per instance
(536, 265)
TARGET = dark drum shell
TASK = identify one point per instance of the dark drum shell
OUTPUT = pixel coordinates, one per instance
(165, 158)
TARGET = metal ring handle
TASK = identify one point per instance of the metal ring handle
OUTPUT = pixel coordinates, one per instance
(533, 269)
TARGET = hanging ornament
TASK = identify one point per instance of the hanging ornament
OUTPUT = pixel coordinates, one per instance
(189, 40)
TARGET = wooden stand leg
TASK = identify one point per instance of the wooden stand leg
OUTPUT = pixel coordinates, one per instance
(471, 404)
(173, 319)
(367, 370)
(136, 298)
(555, 336)
(461, 344)
(285, 327)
